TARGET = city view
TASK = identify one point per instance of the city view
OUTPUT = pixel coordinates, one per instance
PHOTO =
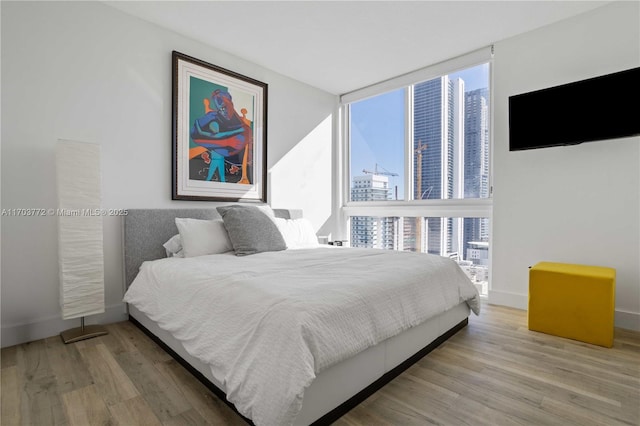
(450, 135)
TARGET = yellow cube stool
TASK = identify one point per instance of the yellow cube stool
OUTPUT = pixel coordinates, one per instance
(573, 301)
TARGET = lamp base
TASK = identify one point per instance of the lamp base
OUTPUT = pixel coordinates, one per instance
(82, 333)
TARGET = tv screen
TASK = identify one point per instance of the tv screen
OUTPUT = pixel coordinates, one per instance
(605, 107)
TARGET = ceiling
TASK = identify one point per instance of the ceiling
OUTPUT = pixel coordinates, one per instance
(340, 46)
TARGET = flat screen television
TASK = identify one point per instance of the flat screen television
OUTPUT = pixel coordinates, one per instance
(605, 107)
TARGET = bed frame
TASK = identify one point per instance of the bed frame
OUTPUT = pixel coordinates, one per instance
(335, 390)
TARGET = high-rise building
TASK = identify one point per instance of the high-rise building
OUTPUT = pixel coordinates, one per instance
(476, 144)
(368, 231)
(476, 166)
(438, 142)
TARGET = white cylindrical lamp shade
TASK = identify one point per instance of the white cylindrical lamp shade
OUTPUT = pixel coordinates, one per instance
(80, 250)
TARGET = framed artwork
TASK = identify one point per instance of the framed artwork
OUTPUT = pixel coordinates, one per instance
(219, 133)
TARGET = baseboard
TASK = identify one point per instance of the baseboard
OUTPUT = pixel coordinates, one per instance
(623, 319)
(627, 320)
(41, 328)
(512, 300)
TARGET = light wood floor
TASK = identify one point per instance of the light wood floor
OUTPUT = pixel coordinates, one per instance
(494, 372)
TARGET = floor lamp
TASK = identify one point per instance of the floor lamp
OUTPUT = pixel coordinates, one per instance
(80, 253)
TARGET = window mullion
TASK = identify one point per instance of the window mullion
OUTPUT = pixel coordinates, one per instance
(346, 153)
(408, 145)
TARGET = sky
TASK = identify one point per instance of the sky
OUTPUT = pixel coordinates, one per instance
(378, 131)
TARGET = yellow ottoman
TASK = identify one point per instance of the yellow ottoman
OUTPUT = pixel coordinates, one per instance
(573, 301)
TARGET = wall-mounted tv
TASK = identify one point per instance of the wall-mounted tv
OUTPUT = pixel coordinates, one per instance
(605, 107)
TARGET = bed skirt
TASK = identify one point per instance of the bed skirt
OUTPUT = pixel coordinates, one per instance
(343, 386)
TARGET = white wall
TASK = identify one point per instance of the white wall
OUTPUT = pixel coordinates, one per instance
(576, 204)
(84, 71)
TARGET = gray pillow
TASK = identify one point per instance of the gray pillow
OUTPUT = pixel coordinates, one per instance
(251, 230)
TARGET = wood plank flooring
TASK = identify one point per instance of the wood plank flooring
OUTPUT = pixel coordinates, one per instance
(493, 372)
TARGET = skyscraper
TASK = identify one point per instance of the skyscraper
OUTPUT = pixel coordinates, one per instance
(476, 163)
(476, 144)
(438, 144)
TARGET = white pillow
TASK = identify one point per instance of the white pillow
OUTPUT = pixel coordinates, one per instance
(200, 237)
(173, 246)
(297, 233)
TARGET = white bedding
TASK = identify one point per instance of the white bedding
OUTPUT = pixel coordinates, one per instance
(267, 323)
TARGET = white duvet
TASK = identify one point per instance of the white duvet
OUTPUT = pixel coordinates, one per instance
(268, 323)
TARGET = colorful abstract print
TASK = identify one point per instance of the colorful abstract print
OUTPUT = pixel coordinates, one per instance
(221, 139)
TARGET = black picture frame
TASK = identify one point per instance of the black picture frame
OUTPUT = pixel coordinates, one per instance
(219, 131)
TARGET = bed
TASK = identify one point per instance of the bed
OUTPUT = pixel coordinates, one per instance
(303, 378)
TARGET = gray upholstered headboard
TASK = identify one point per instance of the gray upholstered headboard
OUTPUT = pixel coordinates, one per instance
(146, 230)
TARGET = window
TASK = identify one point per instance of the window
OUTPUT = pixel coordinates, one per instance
(451, 136)
(463, 239)
(418, 163)
(449, 140)
(377, 139)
